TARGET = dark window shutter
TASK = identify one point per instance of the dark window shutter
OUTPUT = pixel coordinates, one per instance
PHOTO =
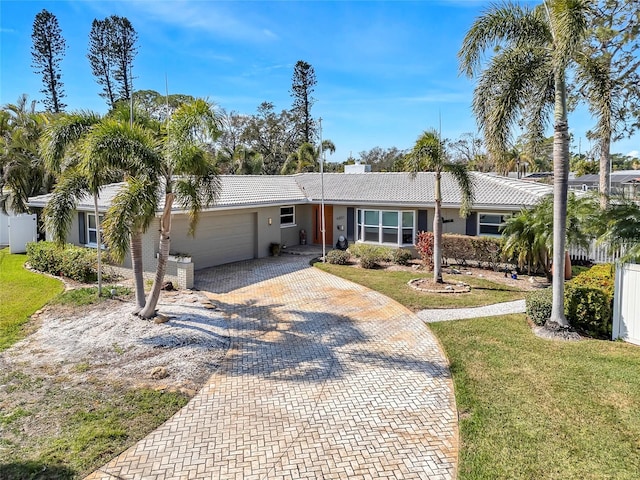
(82, 228)
(350, 221)
(423, 223)
(472, 224)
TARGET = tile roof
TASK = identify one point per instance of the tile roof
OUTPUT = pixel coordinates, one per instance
(403, 189)
(399, 189)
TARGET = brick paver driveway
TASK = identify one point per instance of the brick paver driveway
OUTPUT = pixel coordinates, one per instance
(323, 379)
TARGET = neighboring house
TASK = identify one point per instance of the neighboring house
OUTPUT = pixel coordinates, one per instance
(622, 182)
(254, 211)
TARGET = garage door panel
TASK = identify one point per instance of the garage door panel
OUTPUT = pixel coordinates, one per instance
(219, 239)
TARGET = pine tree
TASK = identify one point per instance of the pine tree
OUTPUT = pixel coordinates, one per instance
(112, 47)
(100, 57)
(304, 79)
(123, 50)
(47, 52)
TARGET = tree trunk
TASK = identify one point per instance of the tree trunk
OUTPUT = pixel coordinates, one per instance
(164, 247)
(99, 242)
(560, 187)
(136, 265)
(437, 233)
(605, 166)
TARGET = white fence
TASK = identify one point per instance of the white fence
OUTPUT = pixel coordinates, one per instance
(595, 253)
(626, 304)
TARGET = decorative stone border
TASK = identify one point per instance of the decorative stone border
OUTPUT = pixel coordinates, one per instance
(460, 287)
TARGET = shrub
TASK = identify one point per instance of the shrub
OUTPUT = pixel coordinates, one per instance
(338, 257)
(382, 254)
(401, 256)
(76, 263)
(424, 245)
(369, 260)
(589, 310)
(538, 305)
(588, 300)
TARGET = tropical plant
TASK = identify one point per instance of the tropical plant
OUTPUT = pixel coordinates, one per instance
(22, 171)
(620, 228)
(63, 146)
(306, 158)
(178, 165)
(528, 235)
(428, 155)
(521, 83)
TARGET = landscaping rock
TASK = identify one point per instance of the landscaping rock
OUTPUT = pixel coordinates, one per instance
(158, 373)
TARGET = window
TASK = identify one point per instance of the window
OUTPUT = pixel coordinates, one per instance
(389, 227)
(92, 231)
(287, 216)
(489, 223)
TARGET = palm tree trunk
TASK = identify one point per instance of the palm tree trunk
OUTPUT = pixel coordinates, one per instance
(605, 166)
(136, 265)
(164, 247)
(437, 233)
(99, 241)
(560, 187)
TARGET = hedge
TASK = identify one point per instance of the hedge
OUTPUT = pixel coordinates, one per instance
(76, 263)
(588, 302)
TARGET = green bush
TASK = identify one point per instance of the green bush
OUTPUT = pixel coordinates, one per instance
(588, 310)
(338, 257)
(369, 260)
(381, 254)
(401, 256)
(538, 305)
(76, 263)
(588, 300)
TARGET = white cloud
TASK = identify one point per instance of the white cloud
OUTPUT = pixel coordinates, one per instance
(634, 154)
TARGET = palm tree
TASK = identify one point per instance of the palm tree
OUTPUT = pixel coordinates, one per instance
(428, 155)
(524, 80)
(22, 171)
(178, 167)
(78, 174)
(620, 228)
(306, 158)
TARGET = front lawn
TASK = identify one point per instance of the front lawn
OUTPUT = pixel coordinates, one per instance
(394, 284)
(532, 408)
(22, 293)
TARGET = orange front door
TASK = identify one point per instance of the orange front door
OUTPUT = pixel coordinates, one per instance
(328, 224)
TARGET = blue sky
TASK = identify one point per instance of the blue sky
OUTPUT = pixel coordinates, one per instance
(386, 71)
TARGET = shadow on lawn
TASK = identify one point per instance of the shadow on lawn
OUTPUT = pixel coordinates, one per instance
(34, 470)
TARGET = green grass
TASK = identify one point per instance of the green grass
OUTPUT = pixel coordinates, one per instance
(89, 295)
(394, 284)
(21, 294)
(533, 408)
(91, 426)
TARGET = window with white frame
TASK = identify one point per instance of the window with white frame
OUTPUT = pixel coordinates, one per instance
(287, 216)
(92, 230)
(391, 227)
(489, 223)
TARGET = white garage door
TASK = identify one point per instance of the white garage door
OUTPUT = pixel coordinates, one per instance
(219, 239)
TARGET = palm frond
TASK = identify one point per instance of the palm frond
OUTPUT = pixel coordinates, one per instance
(59, 211)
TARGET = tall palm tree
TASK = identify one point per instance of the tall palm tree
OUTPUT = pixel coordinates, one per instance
(179, 168)
(524, 80)
(78, 173)
(428, 155)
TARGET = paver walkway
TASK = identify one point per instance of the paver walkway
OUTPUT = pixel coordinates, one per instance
(323, 379)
